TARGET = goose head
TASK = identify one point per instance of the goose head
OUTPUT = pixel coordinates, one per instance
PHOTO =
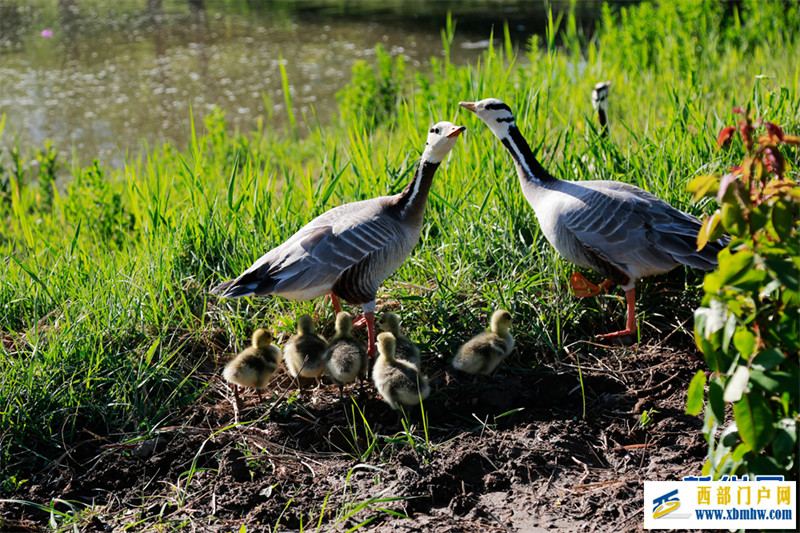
(389, 322)
(495, 113)
(386, 345)
(262, 338)
(501, 321)
(600, 95)
(344, 323)
(305, 324)
(441, 139)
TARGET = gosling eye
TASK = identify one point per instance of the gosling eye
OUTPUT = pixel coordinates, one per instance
(434, 130)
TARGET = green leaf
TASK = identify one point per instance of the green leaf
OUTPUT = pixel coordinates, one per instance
(785, 440)
(759, 217)
(773, 381)
(768, 359)
(694, 397)
(785, 272)
(734, 266)
(705, 185)
(782, 220)
(715, 392)
(737, 384)
(733, 218)
(754, 420)
(745, 341)
(710, 230)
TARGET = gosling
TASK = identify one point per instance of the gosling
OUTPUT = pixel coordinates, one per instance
(303, 352)
(346, 358)
(483, 353)
(405, 349)
(255, 365)
(398, 382)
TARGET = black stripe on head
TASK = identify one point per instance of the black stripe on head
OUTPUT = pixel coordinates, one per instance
(498, 105)
(506, 119)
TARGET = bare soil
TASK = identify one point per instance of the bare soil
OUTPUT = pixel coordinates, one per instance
(509, 453)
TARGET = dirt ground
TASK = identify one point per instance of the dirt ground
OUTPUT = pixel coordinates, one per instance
(508, 453)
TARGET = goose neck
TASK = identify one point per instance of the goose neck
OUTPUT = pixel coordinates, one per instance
(601, 116)
(413, 199)
(528, 167)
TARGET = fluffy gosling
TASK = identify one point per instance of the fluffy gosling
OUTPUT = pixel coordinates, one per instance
(346, 358)
(398, 382)
(405, 348)
(483, 353)
(303, 352)
(255, 365)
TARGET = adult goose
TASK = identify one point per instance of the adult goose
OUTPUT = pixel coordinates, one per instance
(349, 250)
(616, 229)
(600, 104)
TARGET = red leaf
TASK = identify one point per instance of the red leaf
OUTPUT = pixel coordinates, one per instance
(774, 130)
(725, 136)
(738, 110)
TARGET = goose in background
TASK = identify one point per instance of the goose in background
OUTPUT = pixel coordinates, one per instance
(405, 348)
(349, 250)
(616, 229)
(484, 352)
(304, 350)
(398, 382)
(600, 104)
(254, 366)
(345, 359)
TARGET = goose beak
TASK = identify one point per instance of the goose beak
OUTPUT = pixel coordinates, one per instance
(456, 132)
(468, 105)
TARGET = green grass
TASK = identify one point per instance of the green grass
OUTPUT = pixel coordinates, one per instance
(104, 307)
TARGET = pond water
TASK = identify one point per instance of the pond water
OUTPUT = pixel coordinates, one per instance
(102, 78)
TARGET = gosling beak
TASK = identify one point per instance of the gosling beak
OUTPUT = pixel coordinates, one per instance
(468, 105)
(456, 132)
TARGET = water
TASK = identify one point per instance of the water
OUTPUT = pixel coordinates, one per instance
(102, 78)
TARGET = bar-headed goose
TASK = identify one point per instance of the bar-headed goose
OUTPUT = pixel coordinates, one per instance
(405, 348)
(304, 350)
(255, 365)
(345, 359)
(349, 250)
(600, 104)
(617, 229)
(484, 352)
(398, 382)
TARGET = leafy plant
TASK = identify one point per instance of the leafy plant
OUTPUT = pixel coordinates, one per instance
(371, 97)
(748, 326)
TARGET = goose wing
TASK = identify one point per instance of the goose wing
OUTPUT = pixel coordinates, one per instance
(310, 262)
(624, 229)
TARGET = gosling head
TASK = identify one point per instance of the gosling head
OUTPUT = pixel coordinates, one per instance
(389, 322)
(344, 323)
(386, 345)
(600, 95)
(495, 113)
(262, 338)
(501, 321)
(441, 139)
(305, 324)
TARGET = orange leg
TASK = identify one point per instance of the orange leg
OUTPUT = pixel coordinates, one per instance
(337, 307)
(371, 349)
(630, 325)
(583, 288)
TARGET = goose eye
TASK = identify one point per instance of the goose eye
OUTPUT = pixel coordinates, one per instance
(431, 130)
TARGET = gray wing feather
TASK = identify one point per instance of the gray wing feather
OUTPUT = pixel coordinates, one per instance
(321, 251)
(636, 231)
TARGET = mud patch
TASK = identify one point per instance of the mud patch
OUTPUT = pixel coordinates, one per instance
(555, 447)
